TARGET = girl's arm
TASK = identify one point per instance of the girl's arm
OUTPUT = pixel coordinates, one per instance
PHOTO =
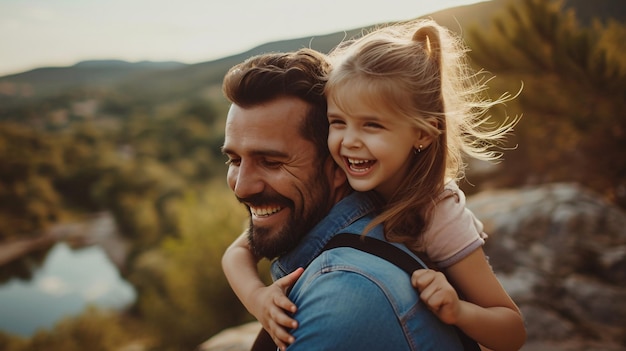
(487, 314)
(266, 303)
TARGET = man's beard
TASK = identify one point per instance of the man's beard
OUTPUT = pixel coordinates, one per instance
(266, 244)
(263, 244)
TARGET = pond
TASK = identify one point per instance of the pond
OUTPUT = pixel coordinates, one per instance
(68, 281)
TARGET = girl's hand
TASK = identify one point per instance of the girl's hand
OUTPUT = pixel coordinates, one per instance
(437, 293)
(271, 307)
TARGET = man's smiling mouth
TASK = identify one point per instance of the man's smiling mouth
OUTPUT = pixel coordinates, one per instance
(265, 211)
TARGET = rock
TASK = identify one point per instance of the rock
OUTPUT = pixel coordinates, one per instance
(234, 339)
(560, 252)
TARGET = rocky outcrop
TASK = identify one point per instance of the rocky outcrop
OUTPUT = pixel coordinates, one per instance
(238, 338)
(560, 252)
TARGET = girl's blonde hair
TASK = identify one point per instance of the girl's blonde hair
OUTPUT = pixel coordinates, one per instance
(418, 70)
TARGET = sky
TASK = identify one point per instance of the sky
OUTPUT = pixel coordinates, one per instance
(43, 33)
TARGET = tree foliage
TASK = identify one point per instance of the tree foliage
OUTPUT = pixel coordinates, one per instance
(574, 97)
(29, 163)
(183, 277)
(94, 329)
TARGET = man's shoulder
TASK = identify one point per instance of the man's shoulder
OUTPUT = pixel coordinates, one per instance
(351, 300)
(347, 302)
(363, 272)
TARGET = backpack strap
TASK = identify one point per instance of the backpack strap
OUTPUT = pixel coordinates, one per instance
(378, 248)
(396, 256)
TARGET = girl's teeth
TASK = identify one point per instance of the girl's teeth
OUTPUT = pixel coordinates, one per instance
(355, 161)
(358, 165)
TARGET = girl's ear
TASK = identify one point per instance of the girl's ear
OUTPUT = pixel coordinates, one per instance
(423, 138)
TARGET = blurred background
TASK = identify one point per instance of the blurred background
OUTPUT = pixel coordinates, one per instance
(114, 210)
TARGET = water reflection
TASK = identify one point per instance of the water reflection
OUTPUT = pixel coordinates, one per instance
(68, 281)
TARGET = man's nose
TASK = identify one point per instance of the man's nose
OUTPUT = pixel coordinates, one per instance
(246, 180)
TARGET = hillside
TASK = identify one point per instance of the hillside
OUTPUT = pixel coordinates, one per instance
(167, 81)
(154, 83)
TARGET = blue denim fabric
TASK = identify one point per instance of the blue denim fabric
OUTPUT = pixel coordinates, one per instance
(351, 300)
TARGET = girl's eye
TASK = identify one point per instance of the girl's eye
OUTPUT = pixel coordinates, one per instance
(335, 121)
(374, 125)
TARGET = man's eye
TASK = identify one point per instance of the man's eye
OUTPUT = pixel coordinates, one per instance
(272, 164)
(233, 162)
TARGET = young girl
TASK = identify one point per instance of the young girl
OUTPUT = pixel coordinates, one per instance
(403, 109)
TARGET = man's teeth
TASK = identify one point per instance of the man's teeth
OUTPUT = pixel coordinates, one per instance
(264, 211)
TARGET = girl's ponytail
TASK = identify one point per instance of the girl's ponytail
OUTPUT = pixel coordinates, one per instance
(428, 37)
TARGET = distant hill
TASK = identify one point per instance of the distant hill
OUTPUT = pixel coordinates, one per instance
(49, 80)
(161, 81)
(155, 80)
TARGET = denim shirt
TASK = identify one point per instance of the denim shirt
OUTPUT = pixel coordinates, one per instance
(350, 300)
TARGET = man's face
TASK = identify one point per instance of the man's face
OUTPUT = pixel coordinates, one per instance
(274, 171)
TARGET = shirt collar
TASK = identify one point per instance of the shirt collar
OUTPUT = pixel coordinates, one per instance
(344, 213)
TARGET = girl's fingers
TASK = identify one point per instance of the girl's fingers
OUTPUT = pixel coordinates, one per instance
(284, 337)
(290, 279)
(284, 284)
(281, 322)
(280, 336)
(422, 278)
(285, 321)
(284, 303)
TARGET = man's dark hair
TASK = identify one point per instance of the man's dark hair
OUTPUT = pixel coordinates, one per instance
(301, 74)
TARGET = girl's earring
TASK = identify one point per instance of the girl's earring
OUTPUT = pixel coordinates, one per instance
(419, 149)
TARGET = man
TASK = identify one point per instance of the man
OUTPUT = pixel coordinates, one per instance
(280, 168)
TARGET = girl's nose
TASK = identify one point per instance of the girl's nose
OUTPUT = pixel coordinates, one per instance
(351, 140)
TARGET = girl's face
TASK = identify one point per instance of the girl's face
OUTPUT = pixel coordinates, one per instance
(373, 147)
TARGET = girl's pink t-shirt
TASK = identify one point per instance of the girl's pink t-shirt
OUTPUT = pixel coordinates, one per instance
(454, 231)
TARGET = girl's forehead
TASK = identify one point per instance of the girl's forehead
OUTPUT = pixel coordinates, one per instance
(357, 95)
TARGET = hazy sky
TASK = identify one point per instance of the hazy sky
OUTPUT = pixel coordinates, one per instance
(36, 33)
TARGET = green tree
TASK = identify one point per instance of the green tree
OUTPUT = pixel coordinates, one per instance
(137, 193)
(94, 329)
(184, 296)
(29, 162)
(11, 343)
(574, 95)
